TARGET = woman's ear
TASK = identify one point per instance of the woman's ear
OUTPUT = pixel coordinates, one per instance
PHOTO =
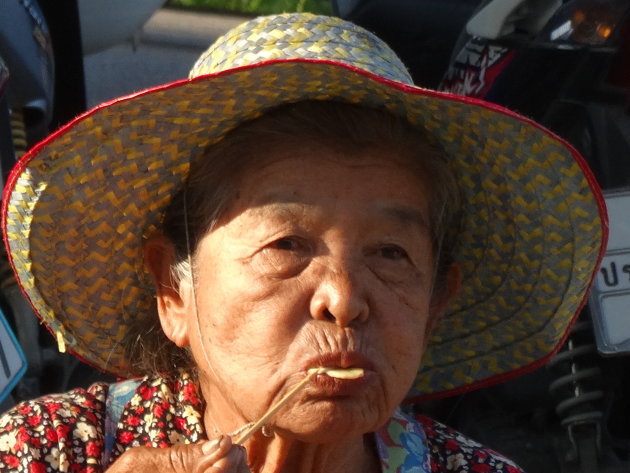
(172, 302)
(441, 300)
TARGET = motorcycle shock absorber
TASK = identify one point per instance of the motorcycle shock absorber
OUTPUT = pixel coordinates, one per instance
(18, 132)
(579, 392)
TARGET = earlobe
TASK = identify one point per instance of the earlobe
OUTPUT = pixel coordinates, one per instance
(172, 298)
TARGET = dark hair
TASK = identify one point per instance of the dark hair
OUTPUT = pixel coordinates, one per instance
(211, 187)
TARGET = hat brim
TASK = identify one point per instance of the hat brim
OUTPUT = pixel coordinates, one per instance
(78, 207)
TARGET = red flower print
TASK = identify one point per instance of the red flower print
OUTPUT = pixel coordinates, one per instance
(179, 423)
(22, 436)
(51, 435)
(11, 461)
(34, 421)
(53, 407)
(133, 421)
(87, 401)
(37, 467)
(428, 425)
(189, 393)
(126, 437)
(451, 444)
(93, 449)
(88, 469)
(480, 468)
(147, 392)
(63, 430)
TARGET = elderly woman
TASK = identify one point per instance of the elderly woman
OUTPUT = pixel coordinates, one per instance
(278, 252)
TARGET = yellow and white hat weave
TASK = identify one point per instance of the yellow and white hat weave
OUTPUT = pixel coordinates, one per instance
(77, 208)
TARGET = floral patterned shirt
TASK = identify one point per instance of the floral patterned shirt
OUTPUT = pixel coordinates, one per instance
(84, 431)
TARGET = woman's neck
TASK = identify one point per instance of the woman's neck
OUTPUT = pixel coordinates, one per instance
(280, 455)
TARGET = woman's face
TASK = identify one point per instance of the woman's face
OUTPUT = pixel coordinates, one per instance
(321, 260)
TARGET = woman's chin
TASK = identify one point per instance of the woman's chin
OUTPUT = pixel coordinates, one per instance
(330, 420)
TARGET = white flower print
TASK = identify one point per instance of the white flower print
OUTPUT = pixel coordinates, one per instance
(455, 461)
(57, 460)
(191, 414)
(7, 441)
(85, 431)
(175, 438)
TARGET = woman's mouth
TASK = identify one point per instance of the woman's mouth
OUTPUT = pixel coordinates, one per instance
(339, 373)
(336, 382)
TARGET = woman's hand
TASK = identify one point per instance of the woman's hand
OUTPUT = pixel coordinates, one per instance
(217, 456)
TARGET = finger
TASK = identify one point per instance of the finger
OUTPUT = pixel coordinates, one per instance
(212, 452)
(243, 466)
(234, 462)
(217, 448)
(176, 459)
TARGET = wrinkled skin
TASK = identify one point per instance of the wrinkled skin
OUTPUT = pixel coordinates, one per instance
(321, 260)
(208, 457)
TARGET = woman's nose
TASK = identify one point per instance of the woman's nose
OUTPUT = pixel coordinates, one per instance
(339, 299)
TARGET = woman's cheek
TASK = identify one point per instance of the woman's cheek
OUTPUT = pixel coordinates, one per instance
(403, 334)
(400, 283)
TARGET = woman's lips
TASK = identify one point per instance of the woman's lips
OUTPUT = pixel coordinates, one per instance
(340, 361)
(335, 387)
(341, 374)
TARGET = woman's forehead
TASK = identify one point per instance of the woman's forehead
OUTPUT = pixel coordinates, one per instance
(304, 210)
(302, 180)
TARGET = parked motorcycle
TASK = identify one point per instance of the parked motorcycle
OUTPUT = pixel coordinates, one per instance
(12, 358)
(566, 64)
(42, 86)
(26, 110)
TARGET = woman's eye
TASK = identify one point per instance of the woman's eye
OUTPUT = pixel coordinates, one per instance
(284, 257)
(287, 244)
(393, 253)
(392, 263)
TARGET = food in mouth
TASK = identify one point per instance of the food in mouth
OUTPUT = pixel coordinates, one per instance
(339, 373)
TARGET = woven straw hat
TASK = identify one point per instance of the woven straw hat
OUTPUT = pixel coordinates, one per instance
(77, 208)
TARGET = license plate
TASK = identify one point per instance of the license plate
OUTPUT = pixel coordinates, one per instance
(610, 295)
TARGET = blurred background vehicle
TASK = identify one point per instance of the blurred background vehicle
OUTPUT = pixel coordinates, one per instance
(42, 86)
(565, 64)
